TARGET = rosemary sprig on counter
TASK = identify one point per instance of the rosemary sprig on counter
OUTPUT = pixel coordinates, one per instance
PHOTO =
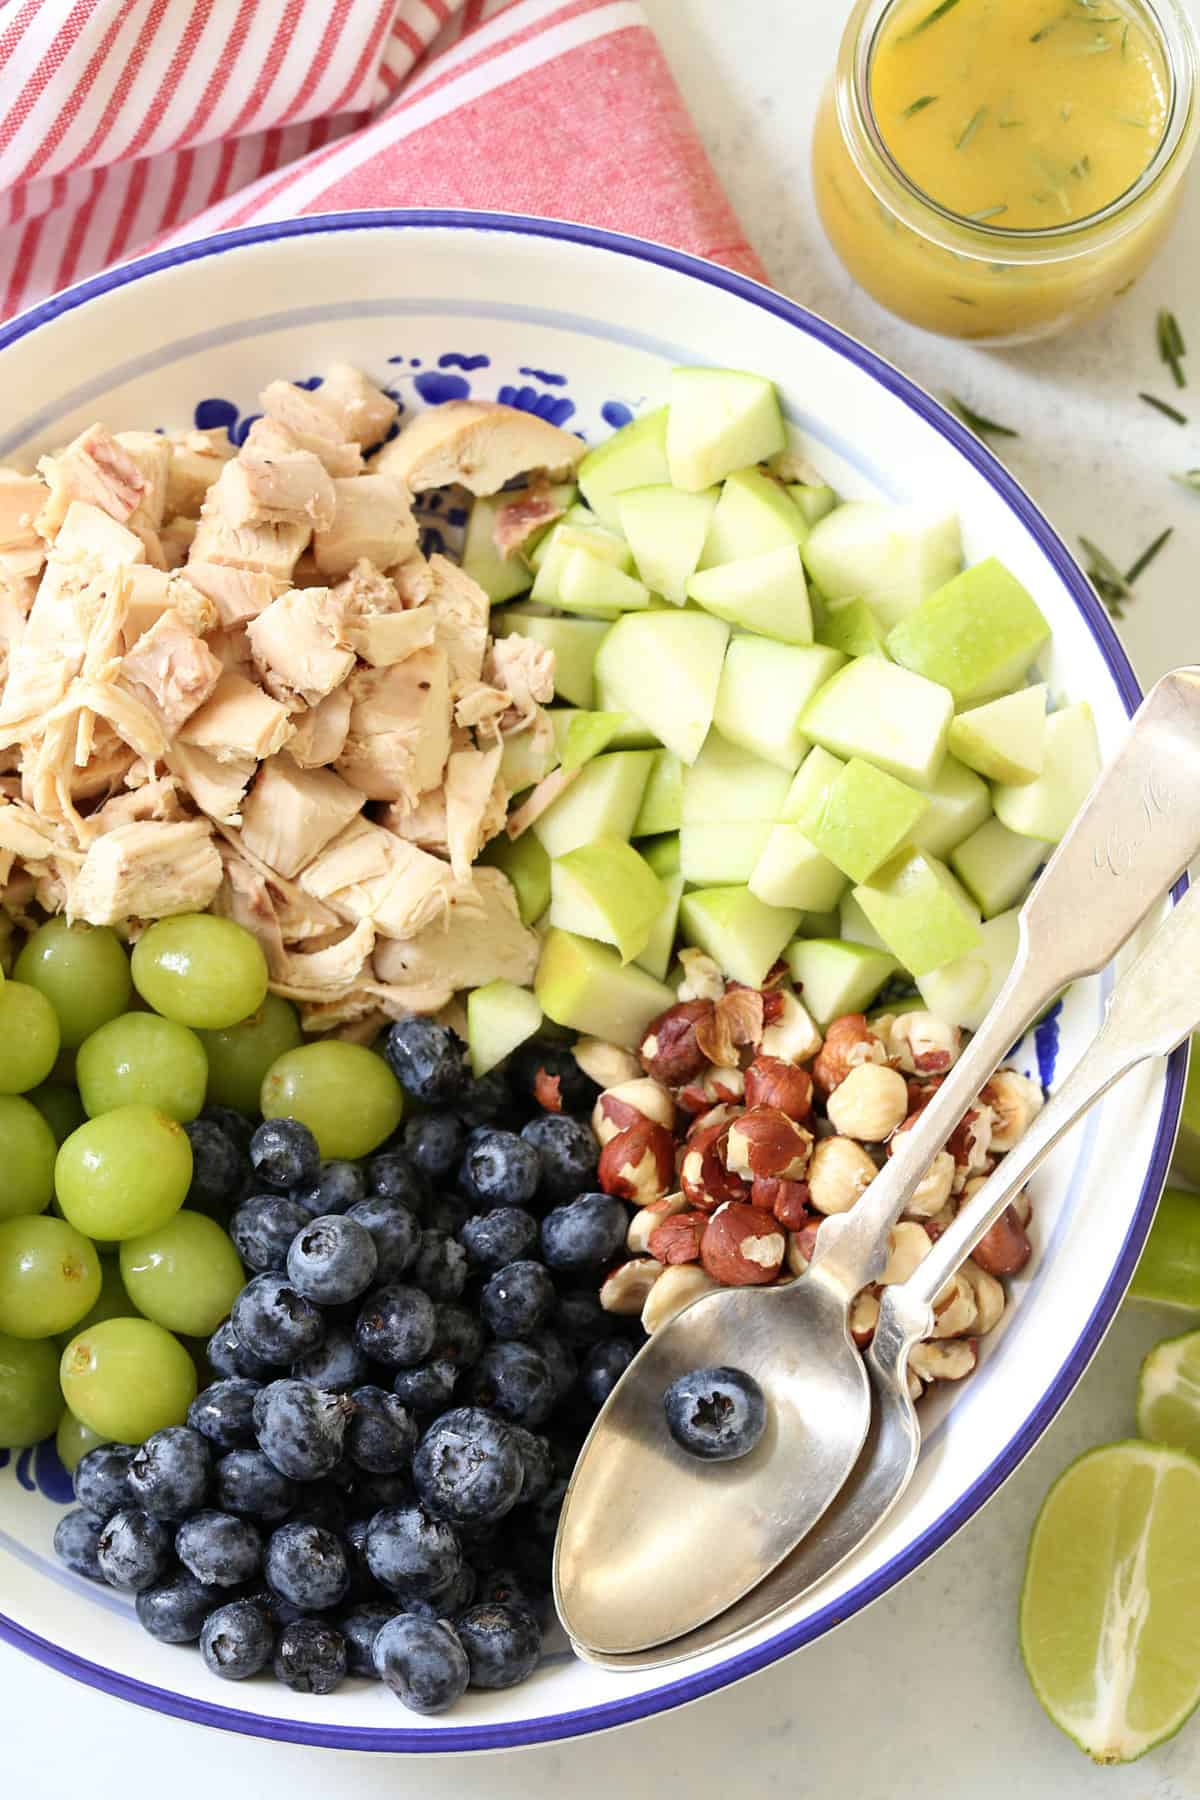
(1113, 587)
(1162, 406)
(1188, 478)
(1171, 347)
(978, 422)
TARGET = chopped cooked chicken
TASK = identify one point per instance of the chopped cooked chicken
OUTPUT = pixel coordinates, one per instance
(316, 976)
(216, 787)
(399, 735)
(244, 897)
(479, 444)
(264, 486)
(146, 870)
(93, 468)
(525, 670)
(373, 519)
(152, 592)
(269, 548)
(480, 707)
(176, 539)
(21, 499)
(134, 722)
(237, 720)
(299, 647)
(378, 627)
(364, 412)
(290, 814)
(301, 917)
(152, 455)
(367, 873)
(310, 424)
(412, 580)
(320, 731)
(461, 608)
(478, 945)
(231, 647)
(237, 594)
(196, 459)
(174, 667)
(475, 801)
(26, 836)
(423, 825)
(528, 511)
(158, 799)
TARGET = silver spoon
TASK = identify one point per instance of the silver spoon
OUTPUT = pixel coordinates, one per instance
(650, 1544)
(1153, 1007)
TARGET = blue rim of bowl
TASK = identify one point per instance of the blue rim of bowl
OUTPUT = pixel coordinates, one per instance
(746, 1662)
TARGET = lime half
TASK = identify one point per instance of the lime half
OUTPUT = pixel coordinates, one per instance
(1168, 1400)
(1169, 1271)
(1111, 1597)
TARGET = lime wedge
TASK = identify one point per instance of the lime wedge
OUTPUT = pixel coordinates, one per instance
(1187, 1145)
(1169, 1270)
(1168, 1400)
(1109, 1605)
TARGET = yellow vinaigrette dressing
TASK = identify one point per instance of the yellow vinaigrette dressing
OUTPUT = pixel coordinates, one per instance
(996, 169)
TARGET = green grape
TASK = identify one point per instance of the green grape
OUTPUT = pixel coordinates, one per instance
(28, 1037)
(240, 1056)
(61, 1108)
(49, 1276)
(140, 1059)
(345, 1094)
(200, 970)
(83, 970)
(30, 1397)
(112, 1302)
(185, 1274)
(73, 1438)
(123, 1173)
(126, 1378)
(27, 1152)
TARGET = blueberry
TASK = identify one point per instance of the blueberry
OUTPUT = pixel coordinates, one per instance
(448, 1602)
(300, 1428)
(537, 1463)
(422, 1662)
(500, 1169)
(435, 1142)
(332, 1260)
(559, 1359)
(237, 1640)
(284, 1154)
(275, 1322)
(397, 1326)
(322, 1503)
(427, 1388)
(227, 1355)
(382, 1434)
(223, 1412)
(247, 1482)
(485, 1099)
(468, 1467)
(543, 1514)
(77, 1542)
(102, 1480)
(218, 1167)
(412, 1554)
(376, 1493)
(169, 1474)
(504, 1235)
(236, 1126)
(394, 1176)
(715, 1414)
(603, 1367)
(219, 1549)
(307, 1565)
(395, 1231)
(449, 1213)
(360, 1627)
(310, 1657)
(174, 1610)
(515, 1381)
(585, 1233)
(504, 1587)
(133, 1549)
(338, 1187)
(503, 1644)
(441, 1266)
(460, 1336)
(580, 1319)
(263, 1227)
(336, 1365)
(426, 1058)
(548, 1075)
(568, 1152)
(517, 1299)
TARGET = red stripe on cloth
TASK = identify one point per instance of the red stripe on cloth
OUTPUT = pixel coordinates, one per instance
(411, 39)
(318, 63)
(122, 230)
(266, 75)
(389, 78)
(439, 9)
(192, 32)
(51, 64)
(68, 262)
(15, 30)
(368, 54)
(517, 35)
(272, 143)
(126, 79)
(219, 186)
(218, 81)
(172, 210)
(22, 263)
(472, 16)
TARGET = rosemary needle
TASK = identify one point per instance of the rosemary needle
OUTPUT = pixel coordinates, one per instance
(918, 105)
(1171, 347)
(1148, 555)
(1188, 478)
(1170, 412)
(970, 128)
(979, 423)
(931, 18)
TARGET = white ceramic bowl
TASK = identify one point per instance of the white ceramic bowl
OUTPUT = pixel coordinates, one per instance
(584, 326)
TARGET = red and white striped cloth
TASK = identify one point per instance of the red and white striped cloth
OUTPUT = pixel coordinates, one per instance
(129, 124)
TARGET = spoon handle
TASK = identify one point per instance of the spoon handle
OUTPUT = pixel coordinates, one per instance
(1135, 835)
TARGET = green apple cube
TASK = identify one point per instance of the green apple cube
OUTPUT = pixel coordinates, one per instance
(835, 978)
(665, 668)
(666, 531)
(633, 735)
(589, 584)
(819, 925)
(854, 925)
(582, 984)
(728, 783)
(662, 853)
(602, 801)
(792, 872)
(814, 500)
(718, 854)
(527, 866)
(996, 865)
(561, 543)
(719, 420)
(499, 576)
(811, 779)
(1004, 739)
(662, 802)
(573, 641)
(500, 1016)
(861, 818)
(962, 991)
(1046, 807)
(587, 734)
(753, 515)
(977, 635)
(659, 952)
(851, 627)
(920, 912)
(635, 456)
(525, 758)
(1187, 1144)
(885, 714)
(893, 557)
(766, 593)
(604, 890)
(739, 931)
(959, 802)
(765, 688)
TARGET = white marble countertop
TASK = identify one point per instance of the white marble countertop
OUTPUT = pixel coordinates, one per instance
(924, 1694)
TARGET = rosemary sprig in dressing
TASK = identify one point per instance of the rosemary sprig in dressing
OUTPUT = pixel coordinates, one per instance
(919, 105)
(970, 128)
(1162, 406)
(931, 18)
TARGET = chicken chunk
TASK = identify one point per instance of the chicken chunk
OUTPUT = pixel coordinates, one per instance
(367, 873)
(238, 720)
(476, 798)
(299, 648)
(479, 444)
(525, 512)
(95, 469)
(237, 594)
(525, 670)
(363, 411)
(196, 458)
(176, 539)
(399, 735)
(174, 667)
(146, 870)
(157, 799)
(373, 519)
(217, 788)
(423, 824)
(318, 976)
(278, 487)
(21, 500)
(268, 549)
(310, 424)
(291, 813)
(479, 944)
(150, 451)
(152, 592)
(461, 608)
(320, 731)
(378, 627)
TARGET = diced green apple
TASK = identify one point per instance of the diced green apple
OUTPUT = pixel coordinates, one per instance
(963, 991)
(819, 925)
(811, 779)
(861, 818)
(634, 456)
(660, 945)
(666, 531)
(766, 593)
(764, 691)
(740, 932)
(662, 802)
(996, 865)
(854, 925)
(586, 736)
(959, 802)
(920, 911)
(557, 548)
(835, 978)
(602, 801)
(893, 557)
(728, 783)
(718, 854)
(604, 890)
(573, 641)
(662, 853)
(719, 420)
(793, 872)
(886, 714)
(589, 584)
(1187, 1144)
(1045, 808)
(1004, 739)
(500, 1016)
(814, 500)
(527, 866)
(582, 984)
(633, 735)
(851, 627)
(525, 758)
(665, 668)
(753, 515)
(977, 635)
(500, 577)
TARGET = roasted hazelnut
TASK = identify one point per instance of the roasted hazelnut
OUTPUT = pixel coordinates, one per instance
(678, 1240)
(638, 1164)
(1014, 1101)
(787, 1201)
(788, 1029)
(742, 1247)
(764, 1141)
(713, 1088)
(637, 1238)
(839, 1171)
(769, 1081)
(669, 1050)
(703, 1176)
(627, 1288)
(922, 1044)
(620, 1107)
(849, 1042)
(1005, 1249)
(869, 1103)
(675, 1288)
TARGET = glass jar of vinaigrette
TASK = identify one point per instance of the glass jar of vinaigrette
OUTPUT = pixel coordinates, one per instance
(998, 169)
